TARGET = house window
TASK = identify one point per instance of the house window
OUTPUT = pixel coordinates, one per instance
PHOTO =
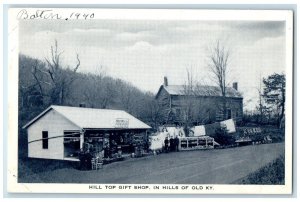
(45, 139)
(178, 111)
(228, 113)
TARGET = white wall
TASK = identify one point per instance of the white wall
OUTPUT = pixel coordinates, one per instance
(55, 124)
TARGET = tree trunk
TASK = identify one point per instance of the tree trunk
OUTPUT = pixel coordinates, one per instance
(282, 107)
(224, 108)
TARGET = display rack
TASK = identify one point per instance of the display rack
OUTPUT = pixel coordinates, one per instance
(193, 143)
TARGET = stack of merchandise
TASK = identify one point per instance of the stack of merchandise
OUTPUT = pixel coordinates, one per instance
(157, 141)
(229, 125)
(198, 131)
(176, 131)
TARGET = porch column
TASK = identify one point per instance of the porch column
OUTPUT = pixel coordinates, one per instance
(81, 138)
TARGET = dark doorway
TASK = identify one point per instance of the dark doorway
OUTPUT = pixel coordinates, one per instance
(71, 144)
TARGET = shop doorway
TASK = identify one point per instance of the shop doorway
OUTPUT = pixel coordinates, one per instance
(71, 144)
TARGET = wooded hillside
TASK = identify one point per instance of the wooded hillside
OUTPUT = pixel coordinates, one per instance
(41, 85)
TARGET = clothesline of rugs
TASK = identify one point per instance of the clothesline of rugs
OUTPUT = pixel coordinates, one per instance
(210, 129)
(157, 140)
(201, 130)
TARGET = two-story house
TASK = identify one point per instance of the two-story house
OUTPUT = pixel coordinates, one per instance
(199, 104)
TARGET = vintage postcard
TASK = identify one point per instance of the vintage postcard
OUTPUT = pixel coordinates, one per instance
(150, 101)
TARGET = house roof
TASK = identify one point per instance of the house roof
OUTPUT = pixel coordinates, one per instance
(95, 118)
(202, 91)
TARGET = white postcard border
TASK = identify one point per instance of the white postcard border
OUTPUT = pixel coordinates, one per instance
(149, 14)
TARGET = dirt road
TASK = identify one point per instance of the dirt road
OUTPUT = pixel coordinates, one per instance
(219, 166)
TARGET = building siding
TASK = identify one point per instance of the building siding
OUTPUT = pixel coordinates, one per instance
(55, 124)
(164, 100)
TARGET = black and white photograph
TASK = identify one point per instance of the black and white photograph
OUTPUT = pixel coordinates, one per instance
(152, 101)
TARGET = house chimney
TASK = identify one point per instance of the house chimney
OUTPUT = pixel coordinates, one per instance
(235, 85)
(82, 105)
(165, 81)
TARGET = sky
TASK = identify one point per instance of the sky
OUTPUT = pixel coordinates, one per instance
(142, 52)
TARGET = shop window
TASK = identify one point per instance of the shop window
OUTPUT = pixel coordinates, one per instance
(45, 139)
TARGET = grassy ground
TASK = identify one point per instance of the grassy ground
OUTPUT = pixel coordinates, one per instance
(273, 173)
(30, 168)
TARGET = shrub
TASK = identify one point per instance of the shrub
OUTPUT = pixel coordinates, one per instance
(271, 174)
(222, 137)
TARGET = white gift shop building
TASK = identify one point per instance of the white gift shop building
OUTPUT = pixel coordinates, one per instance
(59, 132)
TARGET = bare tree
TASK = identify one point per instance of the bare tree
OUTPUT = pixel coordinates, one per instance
(163, 100)
(126, 96)
(31, 83)
(262, 108)
(188, 100)
(102, 92)
(196, 108)
(60, 79)
(155, 112)
(218, 65)
(92, 90)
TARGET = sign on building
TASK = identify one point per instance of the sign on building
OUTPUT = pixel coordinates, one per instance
(122, 123)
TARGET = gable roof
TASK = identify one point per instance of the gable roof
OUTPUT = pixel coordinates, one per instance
(202, 91)
(93, 118)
